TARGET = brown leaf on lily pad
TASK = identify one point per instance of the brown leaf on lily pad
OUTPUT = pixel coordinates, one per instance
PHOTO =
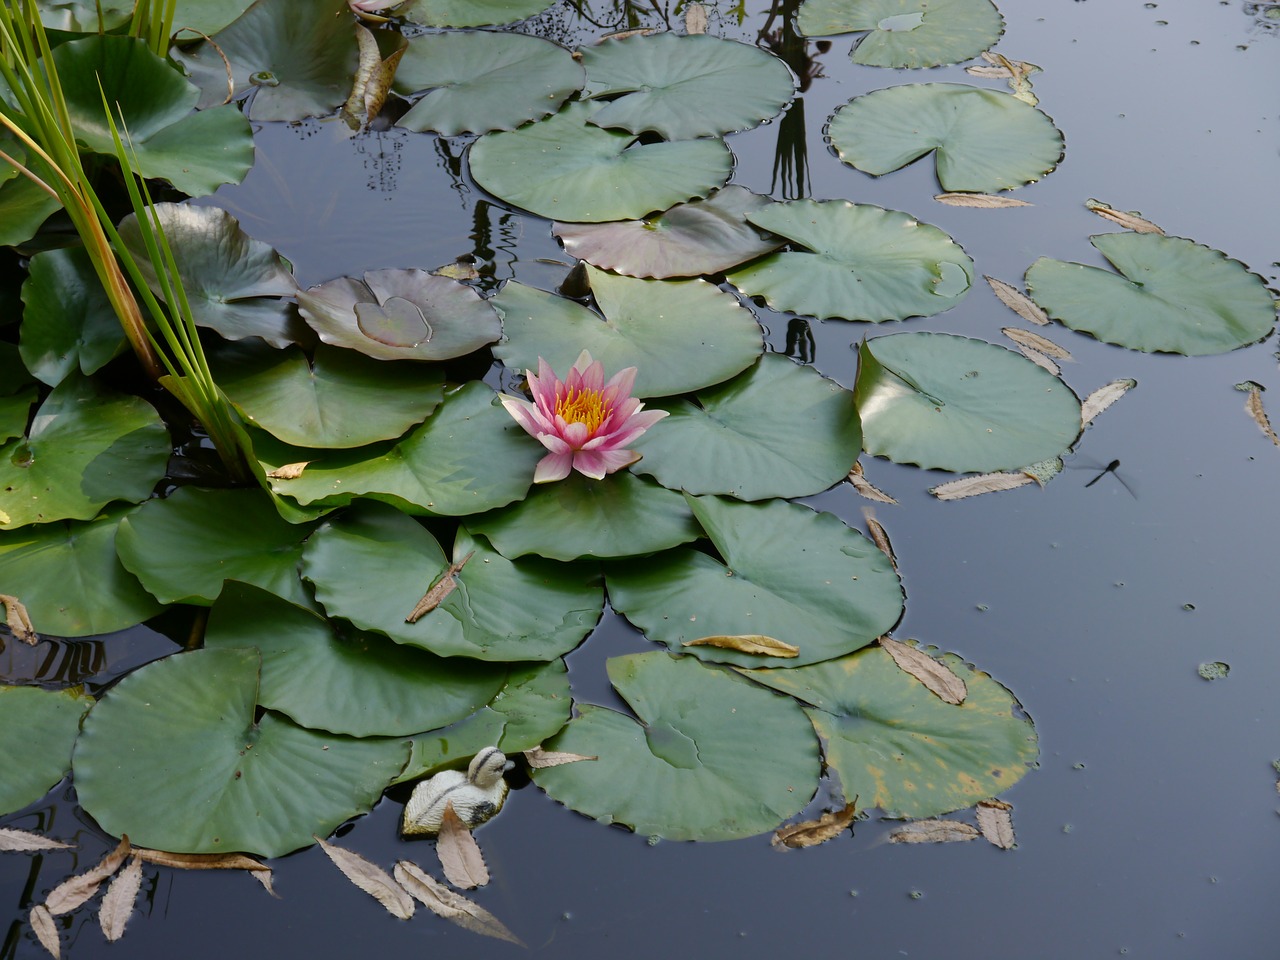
(813, 832)
(1017, 301)
(19, 620)
(12, 840)
(1253, 407)
(46, 930)
(289, 471)
(981, 201)
(443, 586)
(210, 861)
(537, 758)
(934, 674)
(459, 853)
(1104, 397)
(748, 643)
(1130, 221)
(74, 891)
(118, 902)
(865, 488)
(996, 822)
(934, 831)
(980, 484)
(443, 902)
(1025, 338)
(370, 878)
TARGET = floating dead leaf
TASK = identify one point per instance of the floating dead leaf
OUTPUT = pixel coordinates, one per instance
(866, 488)
(370, 878)
(934, 674)
(290, 471)
(695, 19)
(12, 840)
(209, 861)
(1040, 360)
(1025, 338)
(1130, 221)
(373, 77)
(623, 34)
(813, 832)
(980, 484)
(17, 617)
(748, 643)
(1253, 407)
(46, 930)
(934, 831)
(1017, 301)
(444, 585)
(996, 822)
(459, 853)
(538, 758)
(458, 270)
(1017, 72)
(878, 535)
(118, 901)
(74, 891)
(443, 902)
(982, 201)
(1104, 397)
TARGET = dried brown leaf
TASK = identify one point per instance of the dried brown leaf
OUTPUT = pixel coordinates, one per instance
(934, 831)
(813, 832)
(210, 861)
(443, 586)
(1103, 397)
(458, 270)
(865, 487)
(878, 535)
(459, 853)
(934, 674)
(623, 34)
(18, 619)
(1040, 360)
(118, 901)
(12, 840)
(982, 483)
(695, 19)
(46, 930)
(74, 891)
(1017, 301)
(1130, 221)
(538, 758)
(289, 471)
(370, 878)
(982, 201)
(1025, 338)
(996, 823)
(452, 906)
(748, 643)
(1253, 407)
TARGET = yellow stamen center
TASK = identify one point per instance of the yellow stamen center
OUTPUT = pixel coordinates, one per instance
(583, 406)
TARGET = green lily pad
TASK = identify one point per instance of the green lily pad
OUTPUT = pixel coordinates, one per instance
(689, 240)
(683, 87)
(776, 430)
(15, 409)
(233, 282)
(711, 758)
(950, 403)
(984, 140)
(70, 578)
(401, 315)
(1170, 295)
(472, 13)
(680, 335)
(372, 565)
(338, 399)
(87, 446)
(67, 321)
(297, 57)
(84, 16)
(172, 757)
(906, 33)
(328, 678)
(469, 456)
(564, 168)
(37, 729)
(481, 81)
(532, 706)
(861, 263)
(207, 16)
(788, 572)
(23, 208)
(195, 151)
(899, 747)
(185, 547)
(619, 516)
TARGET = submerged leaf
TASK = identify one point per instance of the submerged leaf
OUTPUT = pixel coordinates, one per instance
(1017, 301)
(813, 832)
(74, 891)
(454, 907)
(119, 900)
(370, 878)
(931, 672)
(934, 831)
(1103, 397)
(996, 823)
(460, 855)
(12, 840)
(748, 643)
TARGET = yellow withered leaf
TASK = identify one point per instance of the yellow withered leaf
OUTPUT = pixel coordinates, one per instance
(934, 674)
(865, 488)
(695, 19)
(538, 758)
(1033, 341)
(46, 930)
(813, 832)
(210, 861)
(15, 840)
(982, 483)
(981, 201)
(118, 902)
(289, 471)
(18, 619)
(878, 535)
(753, 643)
(1104, 397)
(1040, 360)
(439, 590)
(1253, 407)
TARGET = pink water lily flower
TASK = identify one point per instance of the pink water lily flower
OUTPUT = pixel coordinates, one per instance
(585, 422)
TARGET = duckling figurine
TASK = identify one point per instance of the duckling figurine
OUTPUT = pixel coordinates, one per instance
(476, 795)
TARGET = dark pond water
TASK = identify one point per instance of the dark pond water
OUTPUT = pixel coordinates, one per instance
(1150, 828)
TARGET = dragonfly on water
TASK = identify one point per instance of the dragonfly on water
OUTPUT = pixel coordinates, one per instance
(1113, 469)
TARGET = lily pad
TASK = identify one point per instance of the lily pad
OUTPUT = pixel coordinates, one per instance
(87, 446)
(15, 409)
(619, 516)
(207, 16)
(67, 321)
(683, 87)
(899, 747)
(776, 430)
(338, 399)
(372, 565)
(472, 13)
(788, 573)
(861, 262)
(195, 151)
(710, 758)
(84, 16)
(984, 140)
(468, 457)
(950, 403)
(23, 208)
(325, 677)
(1170, 294)
(184, 547)
(233, 282)
(564, 168)
(37, 729)
(906, 33)
(680, 335)
(172, 756)
(70, 578)
(478, 81)
(689, 240)
(401, 315)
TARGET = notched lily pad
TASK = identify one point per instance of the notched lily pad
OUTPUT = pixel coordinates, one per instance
(906, 33)
(37, 729)
(472, 13)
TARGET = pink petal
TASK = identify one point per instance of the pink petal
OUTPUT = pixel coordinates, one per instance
(554, 466)
(576, 434)
(590, 373)
(554, 443)
(623, 381)
(597, 463)
(525, 414)
(636, 425)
